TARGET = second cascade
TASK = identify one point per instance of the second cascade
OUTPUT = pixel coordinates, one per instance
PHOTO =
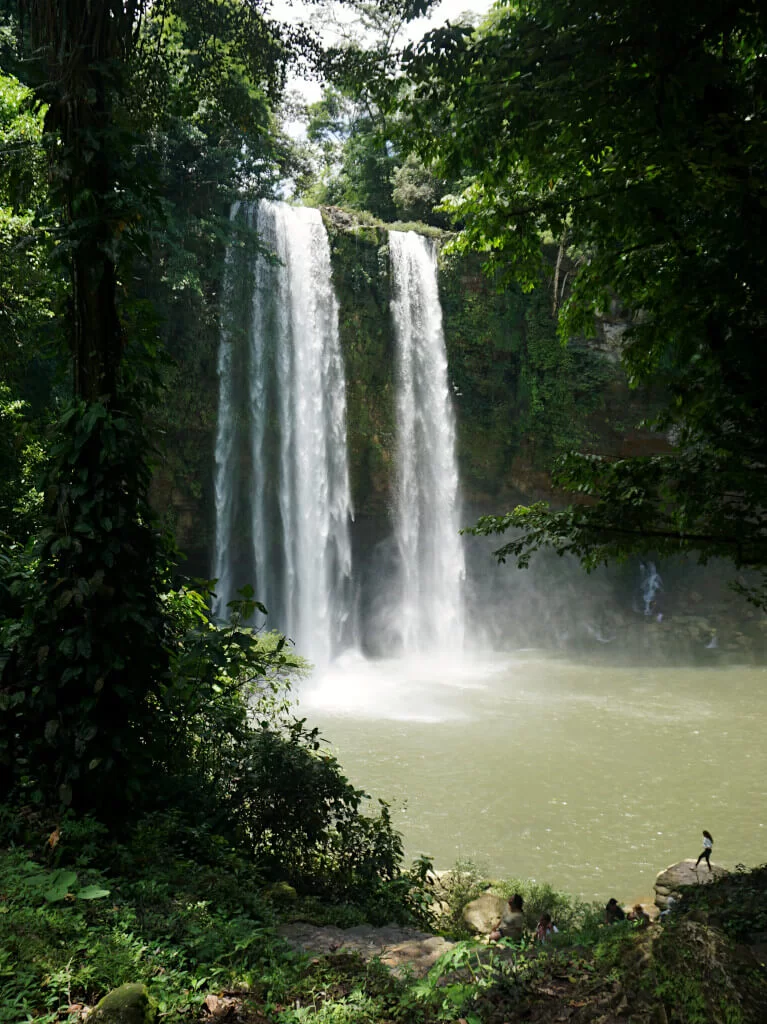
(283, 498)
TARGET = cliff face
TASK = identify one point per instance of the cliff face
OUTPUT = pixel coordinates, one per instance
(520, 396)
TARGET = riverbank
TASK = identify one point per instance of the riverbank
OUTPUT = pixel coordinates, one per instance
(205, 941)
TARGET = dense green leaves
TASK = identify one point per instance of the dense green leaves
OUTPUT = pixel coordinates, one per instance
(21, 456)
(87, 637)
(28, 295)
(152, 117)
(634, 134)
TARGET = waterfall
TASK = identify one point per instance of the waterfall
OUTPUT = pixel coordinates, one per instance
(283, 502)
(224, 451)
(650, 583)
(429, 604)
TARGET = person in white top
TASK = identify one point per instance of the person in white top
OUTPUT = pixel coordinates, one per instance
(708, 844)
(545, 928)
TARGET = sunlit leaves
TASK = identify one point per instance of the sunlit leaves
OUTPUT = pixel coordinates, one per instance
(635, 133)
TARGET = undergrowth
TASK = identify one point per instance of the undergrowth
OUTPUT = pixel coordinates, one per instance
(737, 902)
(176, 908)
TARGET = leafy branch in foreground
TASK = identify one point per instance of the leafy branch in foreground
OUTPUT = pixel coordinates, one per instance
(685, 501)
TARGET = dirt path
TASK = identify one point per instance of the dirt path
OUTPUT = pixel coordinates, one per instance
(398, 948)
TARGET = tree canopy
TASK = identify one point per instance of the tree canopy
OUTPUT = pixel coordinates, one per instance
(633, 135)
(153, 115)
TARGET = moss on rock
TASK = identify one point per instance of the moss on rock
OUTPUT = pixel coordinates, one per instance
(128, 1004)
(517, 390)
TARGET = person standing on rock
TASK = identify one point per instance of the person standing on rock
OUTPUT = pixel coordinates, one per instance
(708, 844)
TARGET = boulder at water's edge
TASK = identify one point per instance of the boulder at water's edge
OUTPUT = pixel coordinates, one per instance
(669, 881)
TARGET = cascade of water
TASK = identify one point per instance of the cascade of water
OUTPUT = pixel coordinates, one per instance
(650, 584)
(431, 574)
(224, 451)
(295, 417)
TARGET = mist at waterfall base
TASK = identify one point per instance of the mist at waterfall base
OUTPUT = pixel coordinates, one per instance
(501, 711)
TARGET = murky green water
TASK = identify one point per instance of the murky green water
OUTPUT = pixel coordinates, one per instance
(591, 777)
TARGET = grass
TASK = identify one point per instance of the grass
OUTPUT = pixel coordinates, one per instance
(182, 933)
(73, 926)
(180, 912)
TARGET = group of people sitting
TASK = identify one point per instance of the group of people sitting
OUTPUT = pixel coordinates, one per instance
(512, 924)
(614, 912)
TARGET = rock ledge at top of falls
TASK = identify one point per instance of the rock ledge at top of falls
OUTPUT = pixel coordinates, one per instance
(398, 948)
(341, 219)
(669, 881)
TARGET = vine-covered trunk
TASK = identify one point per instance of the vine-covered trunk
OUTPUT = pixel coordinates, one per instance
(83, 46)
(89, 661)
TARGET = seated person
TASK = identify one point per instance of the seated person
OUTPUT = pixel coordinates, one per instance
(613, 913)
(512, 925)
(637, 913)
(545, 928)
(670, 905)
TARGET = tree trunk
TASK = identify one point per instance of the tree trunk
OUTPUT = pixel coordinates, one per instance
(83, 46)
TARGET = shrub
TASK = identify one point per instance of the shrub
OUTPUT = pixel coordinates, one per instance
(567, 912)
(457, 887)
(737, 902)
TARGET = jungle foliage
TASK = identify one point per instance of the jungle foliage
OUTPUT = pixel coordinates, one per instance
(118, 110)
(148, 754)
(130, 128)
(632, 135)
(174, 904)
(355, 150)
(178, 907)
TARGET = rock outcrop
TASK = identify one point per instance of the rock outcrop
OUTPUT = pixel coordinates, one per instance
(669, 881)
(483, 914)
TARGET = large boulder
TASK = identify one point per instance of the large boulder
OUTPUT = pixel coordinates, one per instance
(669, 881)
(483, 914)
(128, 1004)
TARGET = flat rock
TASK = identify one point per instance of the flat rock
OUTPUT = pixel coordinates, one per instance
(669, 880)
(483, 914)
(399, 948)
